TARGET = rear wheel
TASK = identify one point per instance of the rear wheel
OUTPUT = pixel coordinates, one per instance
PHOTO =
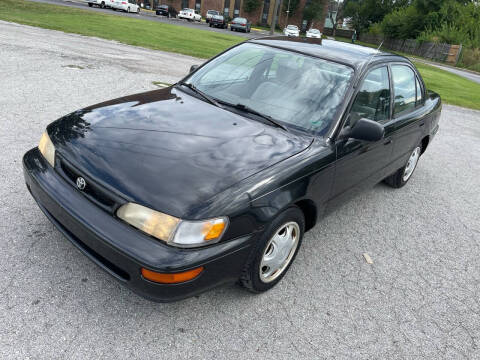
(274, 252)
(90, 4)
(128, 9)
(102, 5)
(402, 175)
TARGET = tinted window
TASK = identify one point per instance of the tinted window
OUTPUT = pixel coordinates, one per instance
(373, 99)
(301, 91)
(403, 88)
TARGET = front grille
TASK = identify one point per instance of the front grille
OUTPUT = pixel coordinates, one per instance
(94, 192)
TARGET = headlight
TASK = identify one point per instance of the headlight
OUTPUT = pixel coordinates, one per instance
(172, 230)
(47, 149)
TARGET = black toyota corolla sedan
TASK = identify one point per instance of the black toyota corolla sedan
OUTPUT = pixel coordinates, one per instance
(216, 178)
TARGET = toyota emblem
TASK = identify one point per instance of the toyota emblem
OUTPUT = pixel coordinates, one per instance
(81, 183)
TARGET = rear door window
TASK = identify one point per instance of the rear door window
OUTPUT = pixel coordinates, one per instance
(404, 88)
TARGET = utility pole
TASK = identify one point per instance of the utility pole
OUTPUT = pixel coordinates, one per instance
(288, 12)
(275, 16)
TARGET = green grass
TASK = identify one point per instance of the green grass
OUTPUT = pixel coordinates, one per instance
(453, 88)
(150, 34)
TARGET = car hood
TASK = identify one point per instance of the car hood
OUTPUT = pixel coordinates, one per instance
(169, 150)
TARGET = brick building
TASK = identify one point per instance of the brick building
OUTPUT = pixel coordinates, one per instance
(261, 16)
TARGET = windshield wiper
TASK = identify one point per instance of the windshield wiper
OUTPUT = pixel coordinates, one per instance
(249, 110)
(201, 93)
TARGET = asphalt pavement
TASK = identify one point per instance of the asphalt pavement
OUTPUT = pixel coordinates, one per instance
(420, 299)
(470, 75)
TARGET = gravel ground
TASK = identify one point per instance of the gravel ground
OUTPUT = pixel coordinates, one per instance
(419, 299)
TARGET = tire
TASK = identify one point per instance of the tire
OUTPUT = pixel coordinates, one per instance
(256, 276)
(209, 25)
(128, 9)
(231, 29)
(102, 5)
(400, 177)
(90, 4)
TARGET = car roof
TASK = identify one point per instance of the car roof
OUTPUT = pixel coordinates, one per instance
(350, 54)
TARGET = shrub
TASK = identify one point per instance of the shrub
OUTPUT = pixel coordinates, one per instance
(404, 23)
(470, 59)
(375, 29)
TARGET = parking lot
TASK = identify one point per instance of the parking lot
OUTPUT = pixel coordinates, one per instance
(419, 299)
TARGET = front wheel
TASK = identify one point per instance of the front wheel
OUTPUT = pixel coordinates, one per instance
(102, 5)
(402, 175)
(274, 252)
(90, 4)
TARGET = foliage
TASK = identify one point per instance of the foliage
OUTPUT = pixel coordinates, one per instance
(375, 29)
(470, 59)
(250, 6)
(457, 24)
(293, 7)
(314, 10)
(450, 21)
(403, 23)
(366, 12)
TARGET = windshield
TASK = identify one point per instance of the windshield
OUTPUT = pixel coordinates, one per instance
(315, 31)
(292, 27)
(296, 90)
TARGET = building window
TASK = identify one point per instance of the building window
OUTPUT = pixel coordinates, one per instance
(198, 4)
(184, 4)
(266, 7)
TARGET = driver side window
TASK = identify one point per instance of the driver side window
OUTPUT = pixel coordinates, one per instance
(373, 99)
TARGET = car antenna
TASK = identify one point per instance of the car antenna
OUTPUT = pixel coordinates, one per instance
(370, 59)
(373, 55)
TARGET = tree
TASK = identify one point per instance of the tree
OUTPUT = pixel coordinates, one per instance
(314, 10)
(336, 7)
(250, 6)
(366, 12)
(293, 6)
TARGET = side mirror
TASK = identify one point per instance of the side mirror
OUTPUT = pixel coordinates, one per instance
(364, 129)
(193, 68)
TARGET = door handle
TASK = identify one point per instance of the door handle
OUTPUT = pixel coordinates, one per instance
(387, 141)
(421, 124)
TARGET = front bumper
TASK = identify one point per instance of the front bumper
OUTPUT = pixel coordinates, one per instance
(122, 250)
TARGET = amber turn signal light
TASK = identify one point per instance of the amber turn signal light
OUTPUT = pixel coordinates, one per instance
(172, 278)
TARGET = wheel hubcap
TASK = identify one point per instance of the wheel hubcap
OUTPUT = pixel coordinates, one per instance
(411, 164)
(279, 251)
